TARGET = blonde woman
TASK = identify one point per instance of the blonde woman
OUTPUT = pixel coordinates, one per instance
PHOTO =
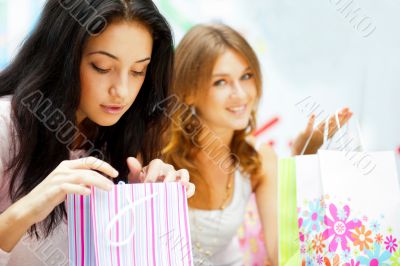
(217, 87)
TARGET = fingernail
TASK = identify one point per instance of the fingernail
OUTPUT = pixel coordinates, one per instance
(116, 173)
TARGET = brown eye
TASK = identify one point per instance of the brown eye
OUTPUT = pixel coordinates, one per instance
(220, 82)
(247, 76)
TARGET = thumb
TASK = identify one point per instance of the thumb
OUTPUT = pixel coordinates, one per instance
(135, 169)
(310, 125)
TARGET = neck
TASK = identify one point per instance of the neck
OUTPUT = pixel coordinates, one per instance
(80, 116)
(215, 145)
(220, 136)
(86, 132)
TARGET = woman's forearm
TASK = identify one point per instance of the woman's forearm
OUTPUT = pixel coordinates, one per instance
(267, 202)
(269, 223)
(14, 223)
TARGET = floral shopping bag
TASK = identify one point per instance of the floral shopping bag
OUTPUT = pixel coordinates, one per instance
(348, 208)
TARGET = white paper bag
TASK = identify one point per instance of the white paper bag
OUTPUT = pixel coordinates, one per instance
(349, 208)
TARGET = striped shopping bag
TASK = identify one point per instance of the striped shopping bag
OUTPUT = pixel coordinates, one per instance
(134, 224)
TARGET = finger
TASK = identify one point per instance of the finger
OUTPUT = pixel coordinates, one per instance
(140, 178)
(333, 126)
(92, 163)
(170, 176)
(134, 169)
(321, 127)
(153, 170)
(310, 124)
(345, 118)
(350, 115)
(75, 189)
(142, 175)
(183, 175)
(90, 178)
(169, 173)
(345, 110)
(190, 188)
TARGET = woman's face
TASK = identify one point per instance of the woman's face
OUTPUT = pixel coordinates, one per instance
(112, 71)
(231, 96)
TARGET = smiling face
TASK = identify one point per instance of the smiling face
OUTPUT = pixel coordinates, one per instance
(228, 103)
(112, 71)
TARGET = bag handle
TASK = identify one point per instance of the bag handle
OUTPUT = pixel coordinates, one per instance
(341, 130)
(326, 129)
(130, 207)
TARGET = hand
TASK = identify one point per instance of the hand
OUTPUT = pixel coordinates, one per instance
(317, 138)
(158, 171)
(70, 177)
(267, 263)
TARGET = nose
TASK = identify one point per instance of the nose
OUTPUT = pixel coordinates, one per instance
(120, 88)
(238, 91)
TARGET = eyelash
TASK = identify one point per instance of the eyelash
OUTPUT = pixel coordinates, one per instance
(100, 70)
(138, 74)
(218, 82)
(104, 71)
(250, 75)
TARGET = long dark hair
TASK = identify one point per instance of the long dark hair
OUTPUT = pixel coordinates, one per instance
(48, 65)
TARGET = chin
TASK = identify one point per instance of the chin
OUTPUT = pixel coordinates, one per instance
(105, 122)
(241, 126)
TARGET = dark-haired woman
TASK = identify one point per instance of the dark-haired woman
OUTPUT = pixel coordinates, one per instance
(78, 107)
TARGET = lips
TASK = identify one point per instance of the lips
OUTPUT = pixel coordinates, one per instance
(237, 110)
(112, 108)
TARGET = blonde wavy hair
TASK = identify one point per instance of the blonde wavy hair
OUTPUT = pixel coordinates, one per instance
(195, 58)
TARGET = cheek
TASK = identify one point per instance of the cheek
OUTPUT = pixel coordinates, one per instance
(90, 88)
(252, 92)
(92, 84)
(218, 98)
(86, 81)
(135, 87)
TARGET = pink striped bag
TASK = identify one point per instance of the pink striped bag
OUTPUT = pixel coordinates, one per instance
(134, 224)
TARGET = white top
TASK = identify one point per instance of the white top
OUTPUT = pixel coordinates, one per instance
(214, 232)
(28, 252)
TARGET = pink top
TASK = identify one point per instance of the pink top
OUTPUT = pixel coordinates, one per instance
(28, 252)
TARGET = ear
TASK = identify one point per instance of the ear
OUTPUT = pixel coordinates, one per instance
(189, 99)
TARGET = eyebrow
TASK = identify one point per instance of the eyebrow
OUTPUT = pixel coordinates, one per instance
(224, 74)
(116, 58)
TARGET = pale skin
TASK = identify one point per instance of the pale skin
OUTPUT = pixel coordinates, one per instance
(112, 72)
(226, 107)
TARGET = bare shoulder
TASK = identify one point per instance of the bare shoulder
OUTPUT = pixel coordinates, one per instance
(269, 161)
(267, 153)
